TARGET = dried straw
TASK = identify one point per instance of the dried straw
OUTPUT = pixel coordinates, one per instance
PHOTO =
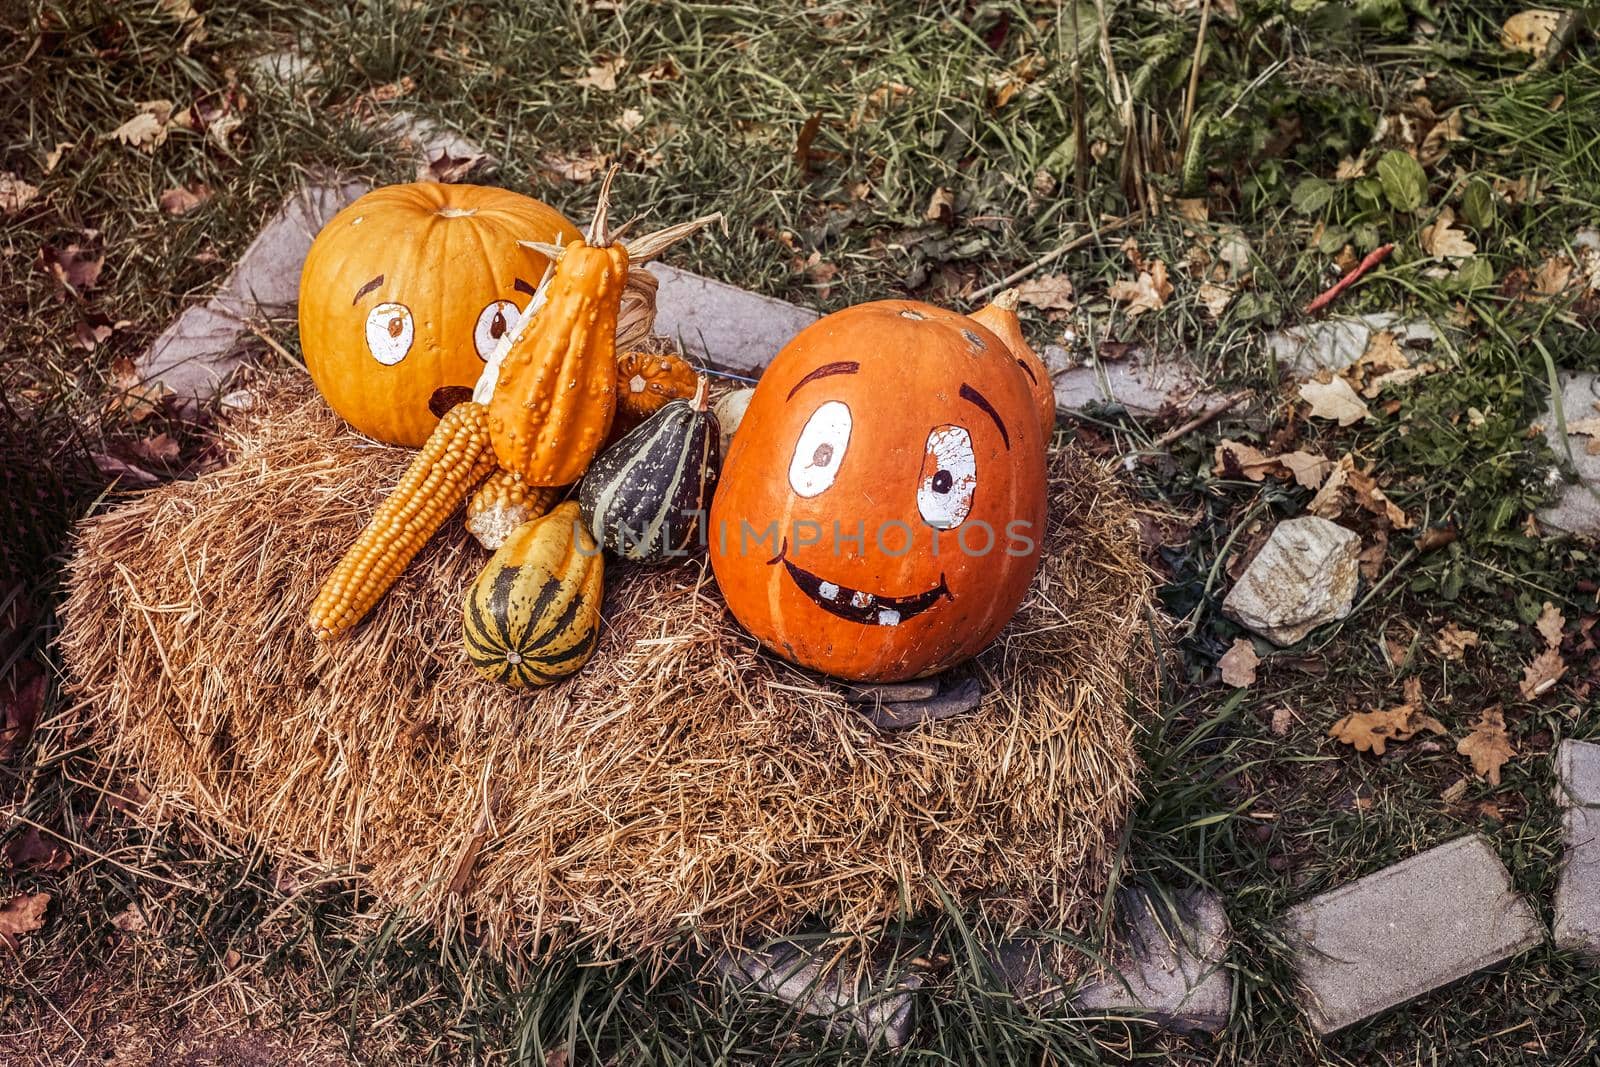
(683, 782)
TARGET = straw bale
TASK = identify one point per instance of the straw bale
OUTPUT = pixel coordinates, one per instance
(683, 789)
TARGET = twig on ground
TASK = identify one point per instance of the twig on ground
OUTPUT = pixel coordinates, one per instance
(1073, 245)
(1353, 275)
(1226, 404)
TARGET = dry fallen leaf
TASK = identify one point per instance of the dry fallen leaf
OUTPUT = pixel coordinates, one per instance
(1239, 663)
(1047, 292)
(1148, 292)
(1334, 400)
(1456, 791)
(1370, 731)
(1529, 31)
(1194, 210)
(1306, 468)
(129, 920)
(21, 697)
(15, 194)
(630, 119)
(1550, 624)
(180, 200)
(603, 77)
(1436, 145)
(448, 168)
(1541, 676)
(1444, 240)
(1215, 298)
(148, 127)
(1453, 641)
(941, 206)
(22, 914)
(1553, 276)
(571, 168)
(33, 851)
(1347, 484)
(75, 268)
(1488, 745)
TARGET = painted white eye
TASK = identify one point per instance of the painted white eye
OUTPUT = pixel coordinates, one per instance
(949, 478)
(389, 333)
(498, 318)
(821, 449)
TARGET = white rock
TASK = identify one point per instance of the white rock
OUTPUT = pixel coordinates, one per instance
(1142, 384)
(1305, 575)
(730, 413)
(1334, 344)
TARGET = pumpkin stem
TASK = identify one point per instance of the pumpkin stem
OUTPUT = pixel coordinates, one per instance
(651, 245)
(702, 393)
(599, 237)
(1007, 300)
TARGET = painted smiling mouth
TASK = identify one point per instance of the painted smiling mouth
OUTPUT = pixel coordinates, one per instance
(855, 605)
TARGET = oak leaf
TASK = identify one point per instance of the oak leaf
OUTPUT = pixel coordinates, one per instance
(1540, 676)
(1334, 400)
(1488, 745)
(22, 914)
(1049, 291)
(1370, 731)
(1147, 292)
(1550, 624)
(1453, 641)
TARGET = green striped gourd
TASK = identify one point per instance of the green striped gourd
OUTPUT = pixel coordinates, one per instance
(645, 497)
(533, 615)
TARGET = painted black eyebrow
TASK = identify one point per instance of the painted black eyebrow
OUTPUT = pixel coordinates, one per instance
(365, 289)
(969, 393)
(1032, 377)
(843, 367)
(523, 287)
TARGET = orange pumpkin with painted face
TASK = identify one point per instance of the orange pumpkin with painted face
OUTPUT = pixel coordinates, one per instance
(406, 292)
(882, 504)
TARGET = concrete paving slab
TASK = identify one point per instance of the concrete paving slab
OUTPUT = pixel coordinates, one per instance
(1577, 905)
(730, 328)
(879, 1005)
(1407, 930)
(1166, 966)
(195, 355)
(1577, 508)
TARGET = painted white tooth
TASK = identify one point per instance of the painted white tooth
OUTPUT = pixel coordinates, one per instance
(828, 591)
(860, 599)
(888, 617)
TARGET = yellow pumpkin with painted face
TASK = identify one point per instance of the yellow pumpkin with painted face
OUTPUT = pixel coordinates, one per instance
(406, 292)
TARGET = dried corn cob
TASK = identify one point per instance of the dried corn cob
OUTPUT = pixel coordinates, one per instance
(503, 503)
(452, 462)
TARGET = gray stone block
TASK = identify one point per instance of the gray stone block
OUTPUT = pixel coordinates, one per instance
(1166, 965)
(823, 981)
(1335, 343)
(957, 699)
(1577, 508)
(732, 328)
(1577, 911)
(267, 276)
(1141, 384)
(1578, 773)
(1407, 930)
(195, 354)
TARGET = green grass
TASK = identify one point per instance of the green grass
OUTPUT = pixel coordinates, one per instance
(904, 95)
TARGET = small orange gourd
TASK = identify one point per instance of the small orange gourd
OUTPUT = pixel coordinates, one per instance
(999, 317)
(647, 381)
